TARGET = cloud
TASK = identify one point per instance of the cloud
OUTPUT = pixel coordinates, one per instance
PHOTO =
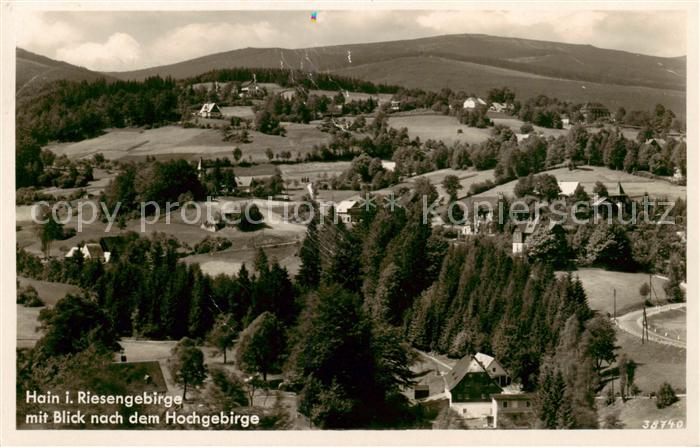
(199, 39)
(40, 33)
(119, 52)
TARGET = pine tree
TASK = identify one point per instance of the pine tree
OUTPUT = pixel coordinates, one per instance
(309, 274)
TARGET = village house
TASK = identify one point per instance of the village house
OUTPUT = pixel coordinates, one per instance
(211, 225)
(498, 107)
(348, 210)
(522, 136)
(473, 102)
(288, 94)
(512, 410)
(210, 110)
(521, 234)
(250, 88)
(480, 212)
(658, 142)
(471, 383)
(244, 183)
(389, 165)
(90, 251)
(567, 189)
(619, 197)
(594, 111)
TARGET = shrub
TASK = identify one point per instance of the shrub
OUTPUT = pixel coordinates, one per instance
(665, 396)
(29, 297)
(479, 187)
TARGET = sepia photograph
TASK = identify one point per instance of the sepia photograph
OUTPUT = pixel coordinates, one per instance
(386, 219)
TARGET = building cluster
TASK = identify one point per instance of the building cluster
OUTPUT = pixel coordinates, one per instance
(616, 201)
(478, 389)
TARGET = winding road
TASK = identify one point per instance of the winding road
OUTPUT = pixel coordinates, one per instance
(632, 323)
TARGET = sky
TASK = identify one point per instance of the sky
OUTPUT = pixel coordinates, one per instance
(129, 40)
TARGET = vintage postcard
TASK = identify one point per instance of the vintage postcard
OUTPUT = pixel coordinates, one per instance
(253, 223)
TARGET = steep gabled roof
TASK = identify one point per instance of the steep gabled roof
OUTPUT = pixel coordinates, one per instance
(618, 191)
(94, 251)
(484, 359)
(345, 205)
(568, 188)
(210, 107)
(466, 364)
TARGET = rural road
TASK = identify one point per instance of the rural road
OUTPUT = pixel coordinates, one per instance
(632, 324)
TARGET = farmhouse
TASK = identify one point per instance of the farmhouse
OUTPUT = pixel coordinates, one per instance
(348, 210)
(244, 183)
(482, 210)
(521, 234)
(498, 107)
(510, 410)
(472, 381)
(473, 102)
(288, 94)
(522, 136)
(619, 197)
(594, 111)
(210, 110)
(567, 189)
(90, 251)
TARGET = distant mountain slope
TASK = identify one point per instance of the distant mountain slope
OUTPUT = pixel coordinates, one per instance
(435, 73)
(566, 61)
(34, 71)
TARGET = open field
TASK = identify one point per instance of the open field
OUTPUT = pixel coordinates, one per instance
(633, 185)
(27, 317)
(439, 127)
(641, 411)
(229, 262)
(354, 96)
(245, 112)
(134, 373)
(182, 225)
(514, 124)
(170, 142)
(49, 292)
(671, 323)
(434, 72)
(656, 363)
(466, 179)
(102, 178)
(599, 285)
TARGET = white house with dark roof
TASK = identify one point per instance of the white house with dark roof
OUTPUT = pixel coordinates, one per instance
(90, 251)
(348, 209)
(473, 102)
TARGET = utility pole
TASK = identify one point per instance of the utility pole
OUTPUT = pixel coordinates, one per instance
(615, 305)
(645, 325)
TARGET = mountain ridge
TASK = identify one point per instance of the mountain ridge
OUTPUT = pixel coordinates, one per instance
(531, 56)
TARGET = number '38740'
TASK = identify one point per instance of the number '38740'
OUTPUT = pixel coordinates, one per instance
(662, 423)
